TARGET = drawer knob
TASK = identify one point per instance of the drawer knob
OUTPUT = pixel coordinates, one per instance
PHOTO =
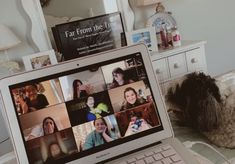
(158, 71)
(194, 60)
(176, 65)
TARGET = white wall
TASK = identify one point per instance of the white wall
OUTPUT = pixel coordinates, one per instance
(211, 20)
(13, 16)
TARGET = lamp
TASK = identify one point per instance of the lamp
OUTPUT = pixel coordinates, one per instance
(8, 40)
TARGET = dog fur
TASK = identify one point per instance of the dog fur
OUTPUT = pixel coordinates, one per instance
(207, 105)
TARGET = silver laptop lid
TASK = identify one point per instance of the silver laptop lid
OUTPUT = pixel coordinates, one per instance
(86, 110)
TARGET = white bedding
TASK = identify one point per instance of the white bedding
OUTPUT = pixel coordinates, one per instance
(188, 134)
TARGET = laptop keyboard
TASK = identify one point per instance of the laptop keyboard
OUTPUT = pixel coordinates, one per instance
(162, 155)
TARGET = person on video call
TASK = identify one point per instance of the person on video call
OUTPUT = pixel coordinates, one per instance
(48, 127)
(136, 124)
(90, 105)
(100, 135)
(33, 100)
(54, 152)
(80, 90)
(131, 99)
(54, 147)
(120, 78)
(94, 111)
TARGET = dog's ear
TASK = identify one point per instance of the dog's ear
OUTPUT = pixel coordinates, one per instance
(170, 96)
(208, 114)
(174, 96)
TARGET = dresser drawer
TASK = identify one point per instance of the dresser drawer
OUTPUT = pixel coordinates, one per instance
(177, 65)
(170, 65)
(161, 69)
(195, 60)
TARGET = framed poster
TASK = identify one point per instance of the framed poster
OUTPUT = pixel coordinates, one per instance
(89, 36)
(39, 60)
(145, 35)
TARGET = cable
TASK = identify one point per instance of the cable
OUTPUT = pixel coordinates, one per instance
(189, 144)
(4, 140)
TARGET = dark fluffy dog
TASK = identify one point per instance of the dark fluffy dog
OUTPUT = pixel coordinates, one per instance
(206, 105)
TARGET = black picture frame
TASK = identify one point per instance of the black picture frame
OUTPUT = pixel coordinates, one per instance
(89, 36)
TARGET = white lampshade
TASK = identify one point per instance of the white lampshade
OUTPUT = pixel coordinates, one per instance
(7, 38)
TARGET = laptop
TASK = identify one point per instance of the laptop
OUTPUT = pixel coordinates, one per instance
(103, 108)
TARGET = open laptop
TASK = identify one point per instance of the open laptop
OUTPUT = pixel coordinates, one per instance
(102, 108)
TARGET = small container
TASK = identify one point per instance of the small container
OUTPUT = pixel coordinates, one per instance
(176, 40)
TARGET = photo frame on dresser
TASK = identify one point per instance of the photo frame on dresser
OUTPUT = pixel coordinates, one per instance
(145, 35)
(39, 60)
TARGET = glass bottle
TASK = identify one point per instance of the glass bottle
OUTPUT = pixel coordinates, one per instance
(163, 35)
(159, 41)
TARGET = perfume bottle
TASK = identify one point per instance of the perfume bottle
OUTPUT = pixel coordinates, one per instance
(163, 34)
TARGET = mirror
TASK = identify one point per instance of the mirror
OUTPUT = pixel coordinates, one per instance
(79, 8)
(39, 30)
(56, 13)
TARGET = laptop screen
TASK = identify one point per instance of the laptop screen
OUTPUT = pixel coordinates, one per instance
(72, 114)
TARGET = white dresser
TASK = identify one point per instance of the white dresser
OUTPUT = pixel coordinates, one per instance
(173, 63)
